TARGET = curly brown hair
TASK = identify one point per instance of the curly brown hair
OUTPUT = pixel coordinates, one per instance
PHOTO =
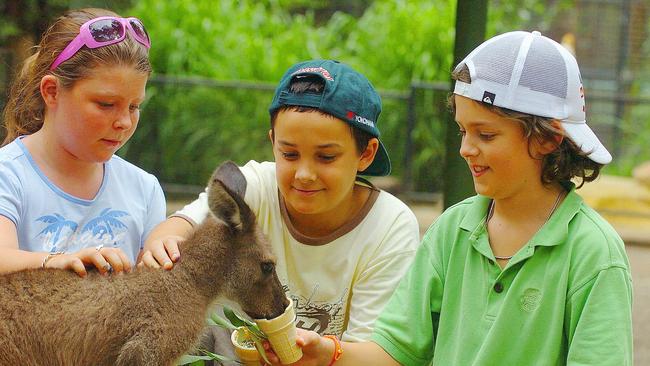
(563, 164)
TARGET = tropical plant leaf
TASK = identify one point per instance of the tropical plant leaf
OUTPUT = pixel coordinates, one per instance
(260, 348)
(215, 319)
(236, 319)
(192, 360)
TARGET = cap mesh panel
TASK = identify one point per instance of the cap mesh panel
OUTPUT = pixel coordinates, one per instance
(544, 69)
(496, 61)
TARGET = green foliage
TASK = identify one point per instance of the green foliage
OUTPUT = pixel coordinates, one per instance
(186, 131)
(232, 321)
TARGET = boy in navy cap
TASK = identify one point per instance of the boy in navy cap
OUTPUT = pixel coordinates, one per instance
(341, 244)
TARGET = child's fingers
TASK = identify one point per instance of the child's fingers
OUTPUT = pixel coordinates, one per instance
(117, 259)
(149, 261)
(161, 256)
(98, 260)
(171, 246)
(76, 265)
(126, 263)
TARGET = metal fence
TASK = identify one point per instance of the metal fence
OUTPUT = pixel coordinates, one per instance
(189, 125)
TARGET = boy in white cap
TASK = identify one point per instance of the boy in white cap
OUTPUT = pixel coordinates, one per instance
(524, 273)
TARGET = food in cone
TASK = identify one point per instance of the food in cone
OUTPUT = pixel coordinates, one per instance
(245, 347)
(281, 332)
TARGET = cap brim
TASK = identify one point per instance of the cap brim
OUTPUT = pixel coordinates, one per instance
(587, 141)
(381, 165)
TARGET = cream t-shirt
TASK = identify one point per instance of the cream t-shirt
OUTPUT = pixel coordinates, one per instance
(339, 283)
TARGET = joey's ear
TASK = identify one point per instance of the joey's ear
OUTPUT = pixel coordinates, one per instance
(50, 89)
(225, 197)
(368, 155)
(230, 175)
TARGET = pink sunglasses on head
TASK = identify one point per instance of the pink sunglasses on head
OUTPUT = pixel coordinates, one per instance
(103, 31)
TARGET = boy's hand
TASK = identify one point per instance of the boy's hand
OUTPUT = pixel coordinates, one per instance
(105, 259)
(161, 252)
(316, 350)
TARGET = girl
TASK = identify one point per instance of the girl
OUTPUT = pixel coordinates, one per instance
(524, 273)
(66, 201)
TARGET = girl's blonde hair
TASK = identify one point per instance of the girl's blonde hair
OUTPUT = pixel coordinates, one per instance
(25, 108)
(566, 162)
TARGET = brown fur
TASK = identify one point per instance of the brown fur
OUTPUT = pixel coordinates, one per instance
(148, 317)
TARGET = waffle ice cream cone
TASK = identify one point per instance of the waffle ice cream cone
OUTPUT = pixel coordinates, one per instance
(281, 332)
(246, 352)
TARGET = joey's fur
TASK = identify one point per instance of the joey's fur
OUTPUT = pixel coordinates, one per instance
(148, 317)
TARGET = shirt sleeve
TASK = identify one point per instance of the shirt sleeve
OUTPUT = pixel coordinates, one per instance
(156, 210)
(378, 280)
(406, 327)
(11, 196)
(196, 211)
(598, 320)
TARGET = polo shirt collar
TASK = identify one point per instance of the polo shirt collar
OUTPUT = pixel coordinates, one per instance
(553, 232)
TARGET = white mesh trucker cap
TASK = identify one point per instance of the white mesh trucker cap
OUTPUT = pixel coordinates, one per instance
(530, 73)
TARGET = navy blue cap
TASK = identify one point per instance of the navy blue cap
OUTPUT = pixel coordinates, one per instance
(347, 95)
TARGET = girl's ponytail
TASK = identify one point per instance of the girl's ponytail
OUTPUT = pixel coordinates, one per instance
(23, 113)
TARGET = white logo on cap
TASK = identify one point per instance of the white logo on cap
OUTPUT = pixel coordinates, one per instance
(364, 120)
(326, 74)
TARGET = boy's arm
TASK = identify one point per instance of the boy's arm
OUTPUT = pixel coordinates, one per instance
(161, 246)
(318, 350)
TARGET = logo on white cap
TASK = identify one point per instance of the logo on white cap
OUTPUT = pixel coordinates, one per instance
(488, 97)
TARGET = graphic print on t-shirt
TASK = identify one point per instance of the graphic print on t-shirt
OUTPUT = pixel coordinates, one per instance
(61, 234)
(320, 316)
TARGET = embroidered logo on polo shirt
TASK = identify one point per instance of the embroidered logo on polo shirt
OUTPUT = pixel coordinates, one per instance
(530, 299)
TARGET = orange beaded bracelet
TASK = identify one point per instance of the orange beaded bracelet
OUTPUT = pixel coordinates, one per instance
(338, 351)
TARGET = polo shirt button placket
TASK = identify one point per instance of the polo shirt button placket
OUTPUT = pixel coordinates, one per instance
(498, 287)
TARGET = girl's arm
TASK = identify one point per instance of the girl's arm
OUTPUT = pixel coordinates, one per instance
(13, 259)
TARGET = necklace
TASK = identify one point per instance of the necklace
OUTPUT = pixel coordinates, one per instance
(491, 212)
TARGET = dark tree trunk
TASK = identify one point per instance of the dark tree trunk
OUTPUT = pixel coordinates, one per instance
(471, 19)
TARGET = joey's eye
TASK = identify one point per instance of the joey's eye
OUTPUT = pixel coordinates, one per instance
(267, 267)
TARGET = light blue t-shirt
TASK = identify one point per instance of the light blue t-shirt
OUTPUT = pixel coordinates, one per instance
(129, 203)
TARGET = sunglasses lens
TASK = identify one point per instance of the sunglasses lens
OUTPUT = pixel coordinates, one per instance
(138, 28)
(106, 30)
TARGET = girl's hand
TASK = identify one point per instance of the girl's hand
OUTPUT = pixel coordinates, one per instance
(161, 252)
(316, 350)
(105, 259)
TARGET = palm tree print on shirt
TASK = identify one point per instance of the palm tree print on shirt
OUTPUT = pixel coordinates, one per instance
(105, 224)
(57, 226)
(105, 229)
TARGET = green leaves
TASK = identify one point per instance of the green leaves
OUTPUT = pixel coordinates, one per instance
(233, 321)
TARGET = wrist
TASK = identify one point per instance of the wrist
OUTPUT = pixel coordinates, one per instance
(336, 351)
(48, 257)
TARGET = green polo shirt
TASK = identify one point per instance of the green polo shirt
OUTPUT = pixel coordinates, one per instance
(565, 298)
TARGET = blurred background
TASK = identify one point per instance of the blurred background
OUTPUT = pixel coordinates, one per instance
(216, 64)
